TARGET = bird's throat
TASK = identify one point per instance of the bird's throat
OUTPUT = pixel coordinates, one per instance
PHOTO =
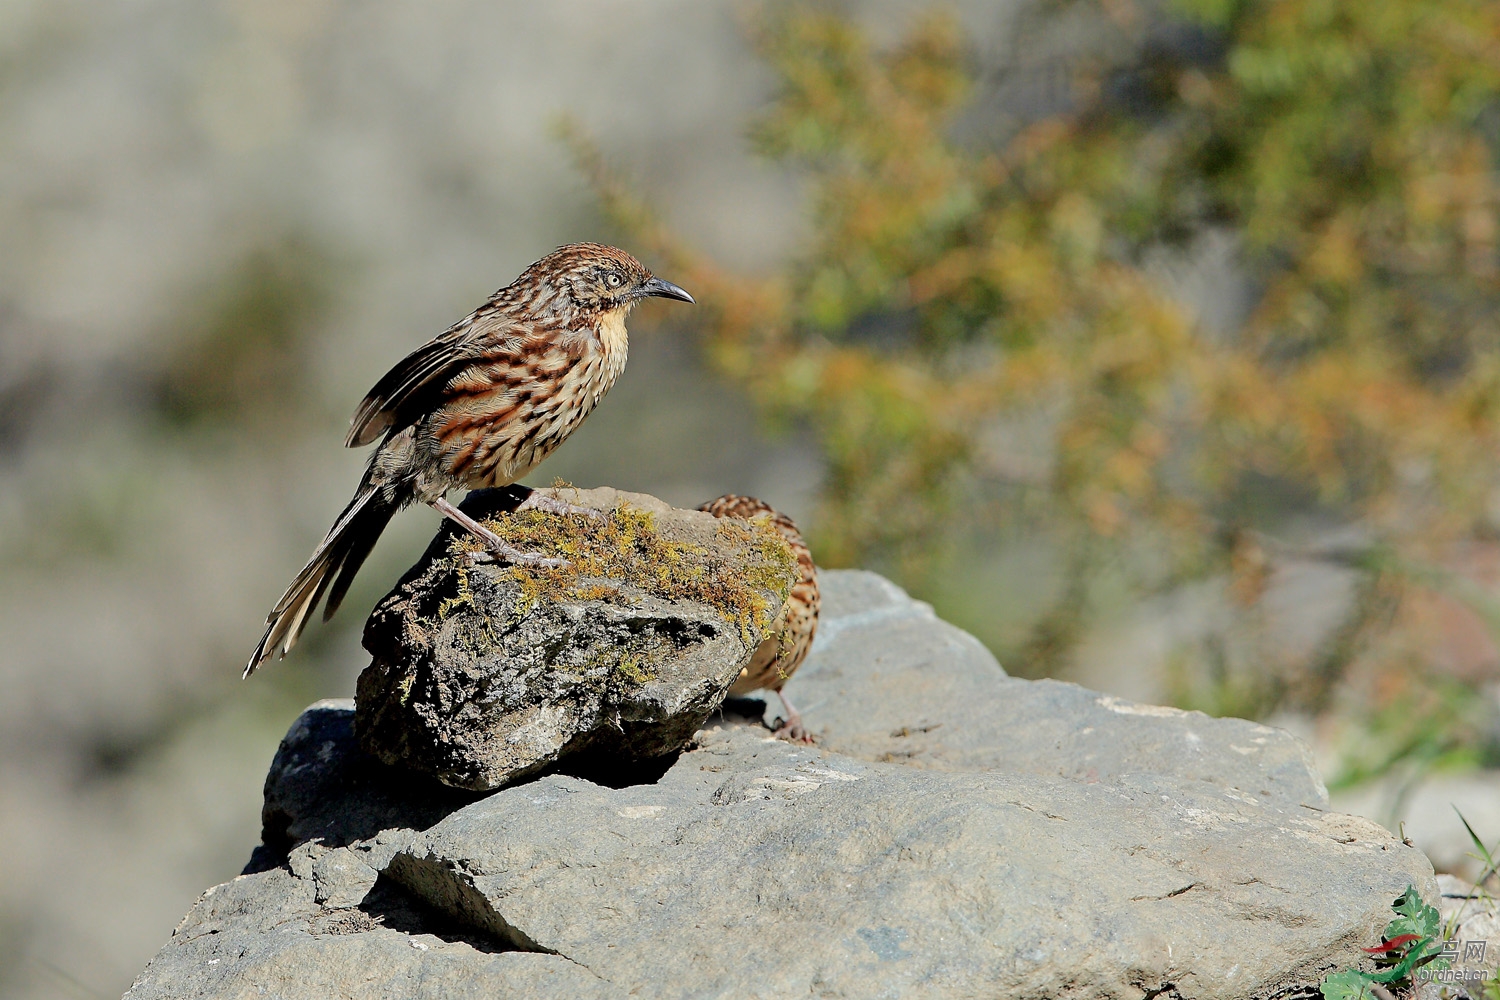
(612, 336)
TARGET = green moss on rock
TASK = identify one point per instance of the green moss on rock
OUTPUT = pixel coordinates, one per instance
(625, 545)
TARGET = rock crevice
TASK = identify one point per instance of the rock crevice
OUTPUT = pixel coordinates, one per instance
(444, 886)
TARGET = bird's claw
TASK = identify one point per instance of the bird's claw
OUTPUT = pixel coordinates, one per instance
(533, 560)
(790, 727)
(505, 553)
(556, 505)
(793, 732)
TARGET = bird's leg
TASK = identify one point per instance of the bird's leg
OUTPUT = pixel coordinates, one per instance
(537, 500)
(792, 728)
(494, 542)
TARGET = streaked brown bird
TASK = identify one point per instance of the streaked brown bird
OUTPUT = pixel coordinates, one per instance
(479, 405)
(781, 653)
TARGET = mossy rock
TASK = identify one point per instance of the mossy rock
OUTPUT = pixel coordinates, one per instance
(485, 673)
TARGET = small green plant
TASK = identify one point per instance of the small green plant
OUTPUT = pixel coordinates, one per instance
(1485, 856)
(1482, 853)
(1410, 941)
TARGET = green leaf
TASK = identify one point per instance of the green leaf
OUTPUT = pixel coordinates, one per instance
(1419, 951)
(1484, 853)
(1415, 917)
(1347, 985)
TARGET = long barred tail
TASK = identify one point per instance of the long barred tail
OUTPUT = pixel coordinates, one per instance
(336, 560)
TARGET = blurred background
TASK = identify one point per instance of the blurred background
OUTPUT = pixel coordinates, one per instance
(1154, 343)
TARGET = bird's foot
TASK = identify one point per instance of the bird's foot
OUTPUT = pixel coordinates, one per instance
(537, 560)
(793, 731)
(497, 548)
(538, 500)
(791, 728)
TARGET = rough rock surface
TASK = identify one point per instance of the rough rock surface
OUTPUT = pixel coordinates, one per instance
(889, 681)
(484, 674)
(957, 833)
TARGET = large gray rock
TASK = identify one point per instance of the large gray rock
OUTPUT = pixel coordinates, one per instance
(483, 674)
(888, 681)
(265, 935)
(976, 835)
(868, 879)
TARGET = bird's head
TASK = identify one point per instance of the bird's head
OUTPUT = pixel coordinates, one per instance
(595, 280)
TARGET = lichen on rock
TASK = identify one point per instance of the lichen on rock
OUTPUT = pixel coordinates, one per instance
(484, 673)
(744, 578)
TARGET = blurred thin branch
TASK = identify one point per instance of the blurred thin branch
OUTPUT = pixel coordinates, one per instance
(955, 290)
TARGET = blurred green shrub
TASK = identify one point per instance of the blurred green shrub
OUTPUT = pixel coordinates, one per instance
(977, 334)
(240, 353)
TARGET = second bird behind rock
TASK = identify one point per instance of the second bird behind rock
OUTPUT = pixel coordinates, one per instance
(792, 634)
(479, 405)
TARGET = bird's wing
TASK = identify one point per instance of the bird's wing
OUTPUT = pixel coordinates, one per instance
(397, 398)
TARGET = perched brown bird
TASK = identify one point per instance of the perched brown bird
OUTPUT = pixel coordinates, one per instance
(779, 656)
(479, 405)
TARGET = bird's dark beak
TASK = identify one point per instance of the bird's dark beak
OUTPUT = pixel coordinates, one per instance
(666, 290)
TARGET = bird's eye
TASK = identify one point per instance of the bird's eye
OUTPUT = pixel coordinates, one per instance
(614, 280)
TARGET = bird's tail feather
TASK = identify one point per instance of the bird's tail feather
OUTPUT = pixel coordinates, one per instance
(335, 561)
